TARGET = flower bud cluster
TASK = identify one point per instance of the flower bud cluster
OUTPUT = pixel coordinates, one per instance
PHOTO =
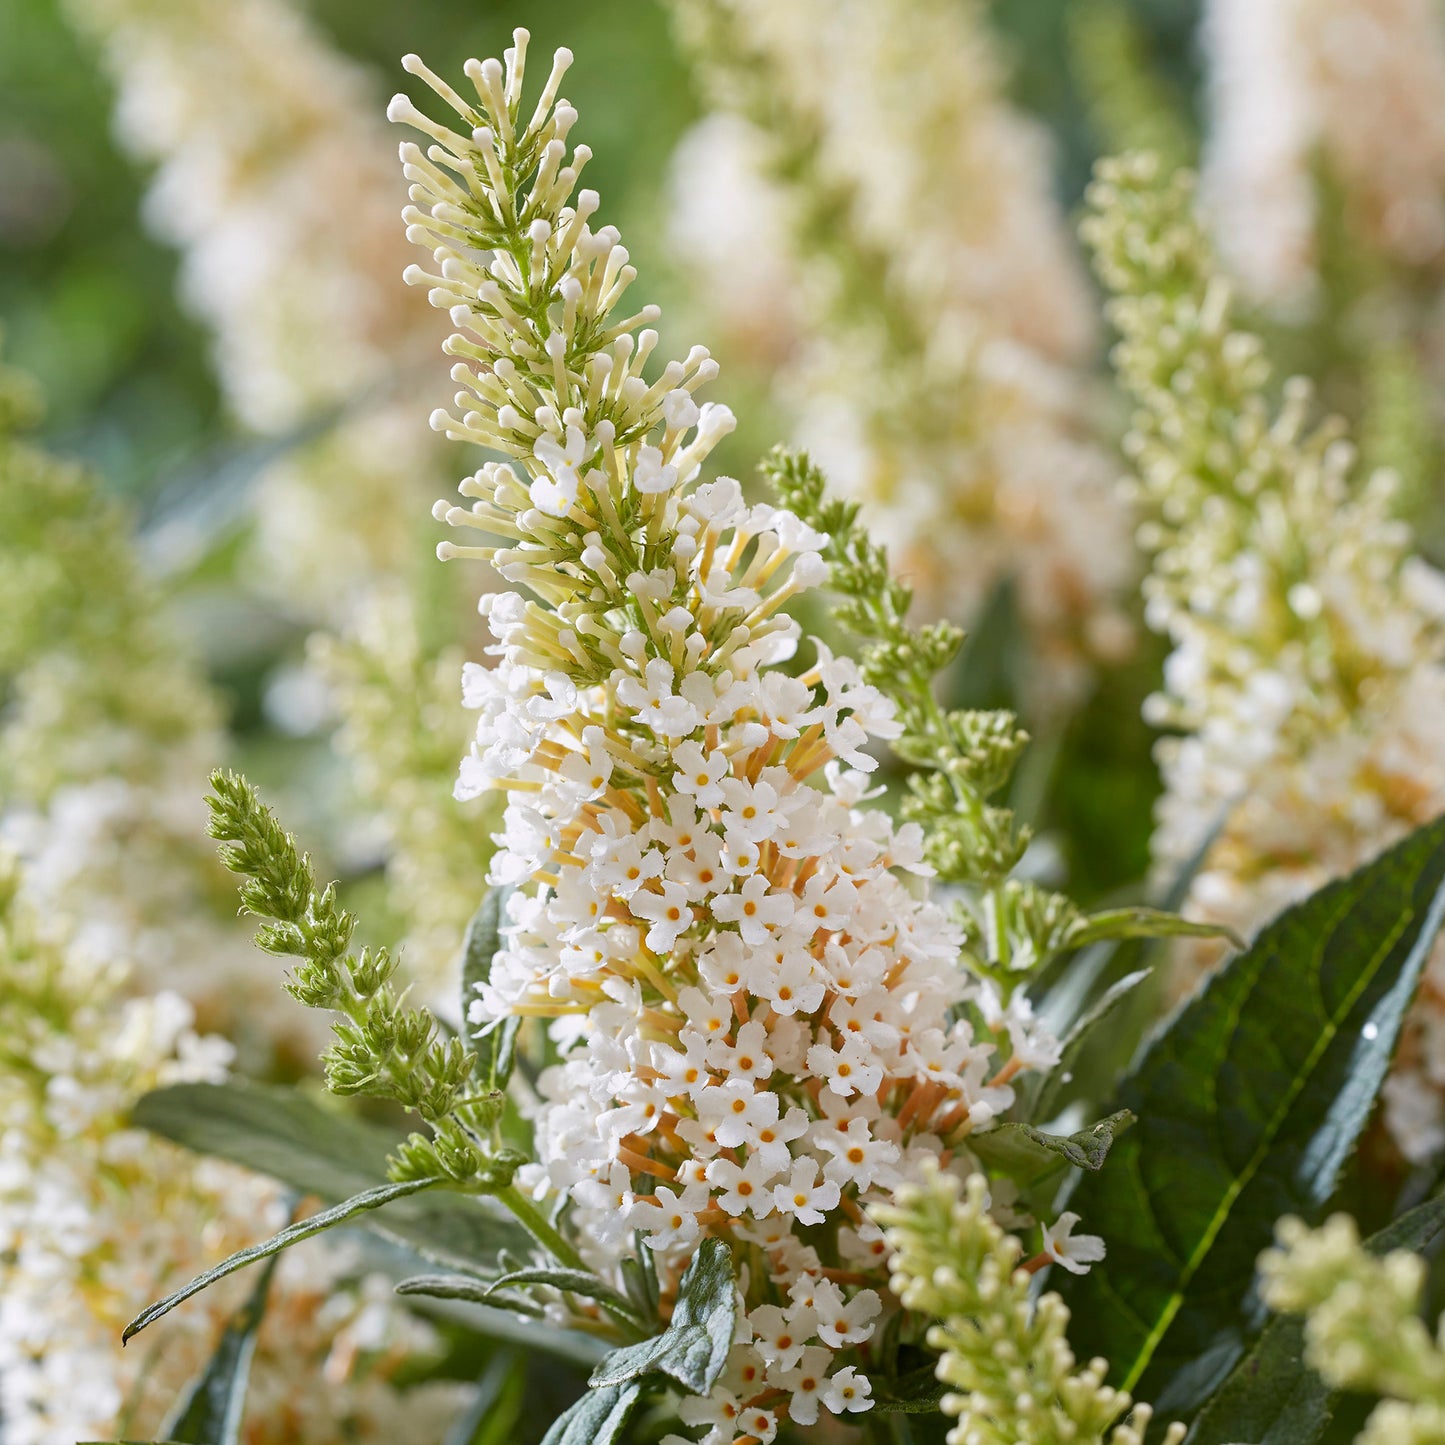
(1363, 1329)
(756, 1025)
(1004, 1353)
(382, 1047)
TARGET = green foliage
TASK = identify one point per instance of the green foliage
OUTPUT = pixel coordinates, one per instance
(292, 1234)
(1048, 1095)
(598, 1418)
(1130, 104)
(1248, 1104)
(969, 755)
(573, 1281)
(315, 1150)
(1273, 1397)
(210, 1412)
(496, 1410)
(963, 757)
(693, 1349)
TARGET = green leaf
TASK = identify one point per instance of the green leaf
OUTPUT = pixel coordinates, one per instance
(598, 1418)
(1273, 1397)
(1143, 923)
(574, 1281)
(1027, 1154)
(916, 1393)
(491, 1418)
(1249, 1102)
(1070, 981)
(496, 1047)
(1054, 1084)
(639, 1273)
(693, 1349)
(292, 1234)
(209, 1413)
(284, 1133)
(465, 1287)
(505, 1320)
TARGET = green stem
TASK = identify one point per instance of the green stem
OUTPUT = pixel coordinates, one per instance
(532, 1220)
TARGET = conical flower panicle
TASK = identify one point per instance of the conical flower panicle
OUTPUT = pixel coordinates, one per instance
(755, 1019)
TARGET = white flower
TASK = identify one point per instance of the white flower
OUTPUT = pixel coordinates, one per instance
(804, 1195)
(727, 962)
(667, 909)
(1074, 1252)
(853, 1069)
(848, 1392)
(756, 909)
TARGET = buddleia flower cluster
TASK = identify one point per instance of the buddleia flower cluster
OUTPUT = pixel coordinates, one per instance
(755, 1026)
(1362, 1325)
(1004, 1353)
(94, 1212)
(870, 210)
(242, 106)
(1305, 686)
(1347, 87)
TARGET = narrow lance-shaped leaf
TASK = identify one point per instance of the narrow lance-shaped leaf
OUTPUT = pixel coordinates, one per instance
(574, 1281)
(495, 1048)
(292, 1234)
(491, 1418)
(693, 1349)
(209, 1413)
(328, 1152)
(1248, 1104)
(1064, 991)
(1141, 922)
(511, 1320)
(464, 1287)
(1273, 1397)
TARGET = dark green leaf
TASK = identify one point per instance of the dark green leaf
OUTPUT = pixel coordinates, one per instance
(496, 1048)
(1027, 1154)
(491, 1418)
(1248, 1104)
(209, 1413)
(1056, 1081)
(917, 1393)
(693, 1349)
(1273, 1397)
(327, 1152)
(292, 1234)
(598, 1418)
